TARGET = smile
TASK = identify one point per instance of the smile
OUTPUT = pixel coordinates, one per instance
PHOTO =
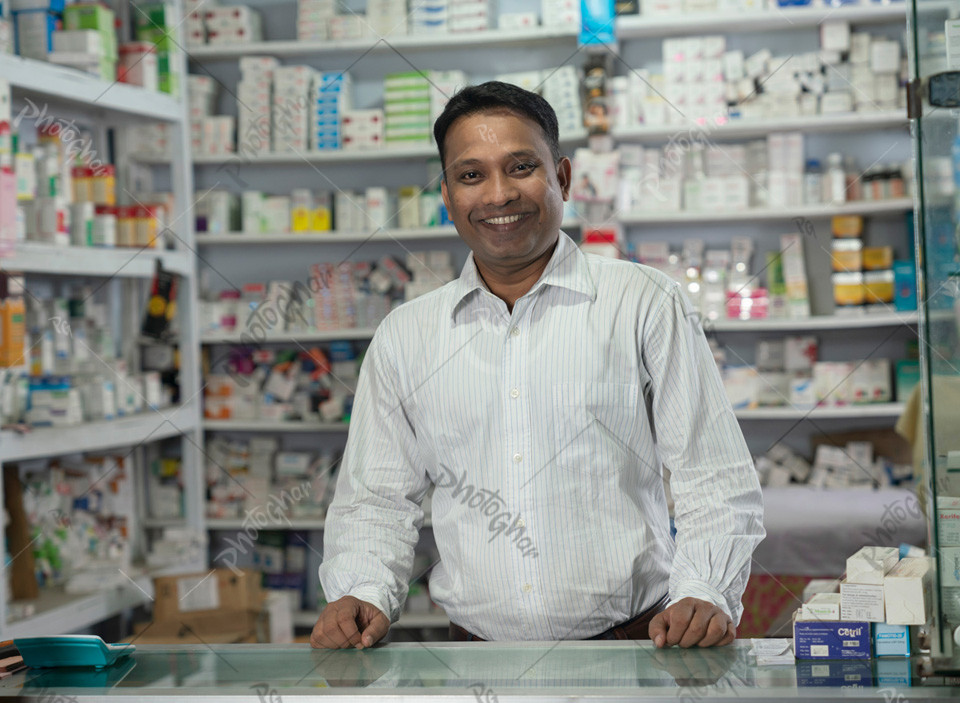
(505, 220)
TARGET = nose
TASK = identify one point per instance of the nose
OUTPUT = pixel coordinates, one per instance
(500, 190)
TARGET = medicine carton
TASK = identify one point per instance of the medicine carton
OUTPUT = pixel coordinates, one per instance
(821, 606)
(815, 639)
(861, 602)
(891, 640)
(853, 673)
(907, 591)
(870, 564)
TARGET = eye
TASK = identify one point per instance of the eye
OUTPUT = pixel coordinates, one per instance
(525, 167)
(469, 176)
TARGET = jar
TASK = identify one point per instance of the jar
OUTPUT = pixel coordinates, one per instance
(848, 289)
(813, 183)
(847, 255)
(878, 287)
(104, 185)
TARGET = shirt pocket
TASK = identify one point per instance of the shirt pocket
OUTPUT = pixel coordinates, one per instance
(595, 427)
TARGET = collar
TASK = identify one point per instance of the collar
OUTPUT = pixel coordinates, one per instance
(567, 268)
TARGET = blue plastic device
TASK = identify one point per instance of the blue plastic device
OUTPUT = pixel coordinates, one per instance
(70, 650)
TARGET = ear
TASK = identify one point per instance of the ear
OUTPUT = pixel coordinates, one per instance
(444, 193)
(565, 176)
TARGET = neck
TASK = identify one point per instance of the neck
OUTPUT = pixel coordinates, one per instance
(512, 283)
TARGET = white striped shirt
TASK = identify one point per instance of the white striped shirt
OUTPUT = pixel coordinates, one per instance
(545, 432)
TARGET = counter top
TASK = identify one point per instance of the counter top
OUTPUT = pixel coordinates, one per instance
(478, 671)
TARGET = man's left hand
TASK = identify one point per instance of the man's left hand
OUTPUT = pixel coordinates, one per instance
(692, 622)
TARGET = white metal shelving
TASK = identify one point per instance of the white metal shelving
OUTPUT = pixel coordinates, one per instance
(241, 337)
(123, 262)
(32, 78)
(43, 91)
(273, 426)
(823, 322)
(893, 206)
(871, 410)
(782, 18)
(148, 426)
(746, 128)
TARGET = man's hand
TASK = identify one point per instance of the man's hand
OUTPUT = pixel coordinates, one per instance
(690, 622)
(349, 622)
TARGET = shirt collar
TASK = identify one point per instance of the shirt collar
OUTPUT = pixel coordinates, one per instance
(567, 268)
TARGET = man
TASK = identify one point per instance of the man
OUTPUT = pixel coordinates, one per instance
(542, 392)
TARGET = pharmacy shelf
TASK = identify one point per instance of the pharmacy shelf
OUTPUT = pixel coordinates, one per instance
(273, 426)
(447, 232)
(161, 522)
(325, 156)
(40, 79)
(148, 426)
(358, 334)
(57, 612)
(785, 18)
(874, 410)
(400, 43)
(394, 235)
(737, 129)
(892, 206)
(125, 262)
(290, 524)
(824, 322)
(308, 618)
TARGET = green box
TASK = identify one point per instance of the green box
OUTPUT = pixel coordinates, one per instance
(169, 83)
(154, 14)
(88, 16)
(165, 39)
(907, 376)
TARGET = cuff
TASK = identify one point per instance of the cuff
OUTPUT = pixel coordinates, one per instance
(377, 598)
(703, 591)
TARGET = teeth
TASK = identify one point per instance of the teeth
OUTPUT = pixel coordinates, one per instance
(503, 220)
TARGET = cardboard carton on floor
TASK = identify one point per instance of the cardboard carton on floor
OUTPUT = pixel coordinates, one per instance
(215, 590)
(222, 627)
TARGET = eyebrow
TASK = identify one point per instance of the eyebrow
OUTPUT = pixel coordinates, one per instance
(519, 154)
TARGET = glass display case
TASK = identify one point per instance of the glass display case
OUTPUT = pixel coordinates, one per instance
(934, 108)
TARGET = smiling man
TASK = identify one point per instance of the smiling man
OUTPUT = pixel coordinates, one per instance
(542, 393)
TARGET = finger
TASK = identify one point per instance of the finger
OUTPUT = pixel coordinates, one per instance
(658, 629)
(347, 625)
(716, 631)
(375, 631)
(730, 636)
(679, 621)
(697, 627)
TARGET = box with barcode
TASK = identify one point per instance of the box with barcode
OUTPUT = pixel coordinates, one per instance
(218, 589)
(816, 639)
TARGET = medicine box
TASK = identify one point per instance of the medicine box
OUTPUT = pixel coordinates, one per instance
(869, 564)
(815, 639)
(891, 640)
(852, 673)
(861, 602)
(821, 606)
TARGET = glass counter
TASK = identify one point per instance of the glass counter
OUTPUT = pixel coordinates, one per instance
(480, 671)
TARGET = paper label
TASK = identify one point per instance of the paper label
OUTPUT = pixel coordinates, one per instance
(198, 593)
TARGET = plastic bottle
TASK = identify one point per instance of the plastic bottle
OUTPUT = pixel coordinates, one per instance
(835, 186)
(813, 183)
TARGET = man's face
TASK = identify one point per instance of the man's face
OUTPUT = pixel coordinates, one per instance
(502, 188)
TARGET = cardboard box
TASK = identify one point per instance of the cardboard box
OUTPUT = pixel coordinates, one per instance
(861, 602)
(220, 627)
(815, 639)
(176, 596)
(907, 591)
(870, 564)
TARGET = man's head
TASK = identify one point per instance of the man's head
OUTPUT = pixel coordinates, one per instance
(505, 179)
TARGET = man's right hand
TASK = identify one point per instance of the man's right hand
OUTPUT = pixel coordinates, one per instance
(349, 622)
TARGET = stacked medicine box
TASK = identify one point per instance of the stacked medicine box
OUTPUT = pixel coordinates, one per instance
(406, 99)
(560, 14)
(156, 23)
(561, 88)
(331, 93)
(254, 104)
(34, 22)
(429, 17)
(313, 19)
(232, 25)
(387, 17)
(468, 15)
(291, 109)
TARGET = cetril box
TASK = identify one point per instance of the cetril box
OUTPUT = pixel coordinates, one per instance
(816, 639)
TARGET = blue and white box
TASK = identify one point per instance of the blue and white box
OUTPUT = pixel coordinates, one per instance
(853, 673)
(891, 640)
(814, 639)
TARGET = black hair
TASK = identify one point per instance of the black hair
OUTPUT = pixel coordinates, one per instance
(494, 95)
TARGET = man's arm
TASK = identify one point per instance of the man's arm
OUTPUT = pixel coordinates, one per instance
(718, 503)
(372, 525)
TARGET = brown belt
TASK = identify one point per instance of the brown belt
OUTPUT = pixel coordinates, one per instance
(637, 628)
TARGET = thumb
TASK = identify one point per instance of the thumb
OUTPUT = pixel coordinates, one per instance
(658, 628)
(377, 626)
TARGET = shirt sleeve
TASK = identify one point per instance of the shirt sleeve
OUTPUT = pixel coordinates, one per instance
(718, 502)
(373, 523)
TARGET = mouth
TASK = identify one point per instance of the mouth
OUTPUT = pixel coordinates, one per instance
(504, 220)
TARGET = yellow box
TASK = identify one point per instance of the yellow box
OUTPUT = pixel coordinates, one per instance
(847, 255)
(877, 258)
(847, 226)
(878, 286)
(848, 289)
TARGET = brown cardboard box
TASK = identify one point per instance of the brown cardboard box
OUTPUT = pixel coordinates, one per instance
(214, 591)
(218, 627)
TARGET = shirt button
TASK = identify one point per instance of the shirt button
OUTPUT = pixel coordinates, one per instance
(515, 331)
(527, 588)
(521, 523)
(518, 457)
(515, 393)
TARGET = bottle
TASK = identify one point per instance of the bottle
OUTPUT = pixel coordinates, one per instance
(836, 182)
(813, 183)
